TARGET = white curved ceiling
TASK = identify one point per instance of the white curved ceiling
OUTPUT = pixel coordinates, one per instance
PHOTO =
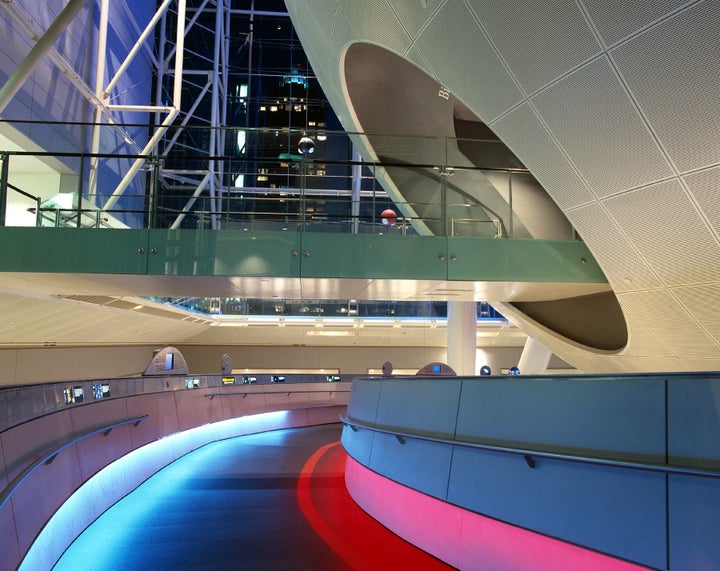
(613, 106)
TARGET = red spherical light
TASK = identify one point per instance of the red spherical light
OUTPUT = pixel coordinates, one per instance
(388, 217)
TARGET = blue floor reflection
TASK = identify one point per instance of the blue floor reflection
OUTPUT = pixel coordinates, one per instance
(230, 505)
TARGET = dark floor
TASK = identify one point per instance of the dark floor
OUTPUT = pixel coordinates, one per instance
(273, 501)
(230, 505)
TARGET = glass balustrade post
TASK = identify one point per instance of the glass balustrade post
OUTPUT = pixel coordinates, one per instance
(356, 182)
(4, 173)
(444, 170)
(78, 212)
(154, 163)
(306, 147)
(374, 173)
(226, 189)
(443, 202)
(301, 203)
(510, 205)
(78, 223)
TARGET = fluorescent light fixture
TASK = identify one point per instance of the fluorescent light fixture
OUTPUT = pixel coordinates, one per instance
(326, 333)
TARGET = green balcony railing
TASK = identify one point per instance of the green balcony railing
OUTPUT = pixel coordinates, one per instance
(261, 181)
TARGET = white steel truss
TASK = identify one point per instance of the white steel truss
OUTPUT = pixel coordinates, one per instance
(168, 59)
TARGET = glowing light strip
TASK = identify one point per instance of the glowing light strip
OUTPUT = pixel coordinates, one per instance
(338, 544)
(462, 538)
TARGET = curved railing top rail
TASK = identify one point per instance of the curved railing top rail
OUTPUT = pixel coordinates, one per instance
(19, 404)
(283, 391)
(49, 455)
(529, 454)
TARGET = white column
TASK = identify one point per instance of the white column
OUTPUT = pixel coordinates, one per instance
(535, 358)
(462, 336)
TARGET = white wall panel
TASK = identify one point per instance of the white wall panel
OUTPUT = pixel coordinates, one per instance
(668, 232)
(375, 22)
(669, 322)
(414, 15)
(545, 40)
(702, 300)
(463, 59)
(615, 19)
(600, 130)
(703, 187)
(523, 132)
(673, 74)
(617, 256)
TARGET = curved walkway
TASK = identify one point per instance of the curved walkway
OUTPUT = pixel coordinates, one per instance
(275, 500)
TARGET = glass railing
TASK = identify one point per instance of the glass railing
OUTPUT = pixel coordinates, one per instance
(261, 180)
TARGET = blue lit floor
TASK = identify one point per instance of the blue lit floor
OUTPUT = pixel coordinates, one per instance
(229, 505)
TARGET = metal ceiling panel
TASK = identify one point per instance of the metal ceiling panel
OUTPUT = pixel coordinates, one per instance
(414, 16)
(546, 39)
(600, 130)
(375, 22)
(673, 75)
(616, 19)
(613, 251)
(667, 230)
(703, 187)
(463, 59)
(523, 132)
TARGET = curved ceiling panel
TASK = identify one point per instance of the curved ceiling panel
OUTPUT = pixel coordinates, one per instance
(411, 119)
(619, 108)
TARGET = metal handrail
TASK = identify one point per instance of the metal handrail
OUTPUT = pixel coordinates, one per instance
(280, 392)
(21, 191)
(51, 454)
(530, 454)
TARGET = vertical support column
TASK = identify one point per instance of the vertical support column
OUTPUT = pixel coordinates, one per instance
(462, 336)
(535, 358)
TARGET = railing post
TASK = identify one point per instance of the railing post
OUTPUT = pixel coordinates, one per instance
(154, 163)
(444, 172)
(38, 214)
(356, 181)
(443, 200)
(227, 176)
(374, 213)
(301, 205)
(80, 188)
(510, 205)
(4, 173)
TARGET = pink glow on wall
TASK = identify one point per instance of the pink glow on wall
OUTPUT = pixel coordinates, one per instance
(464, 539)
